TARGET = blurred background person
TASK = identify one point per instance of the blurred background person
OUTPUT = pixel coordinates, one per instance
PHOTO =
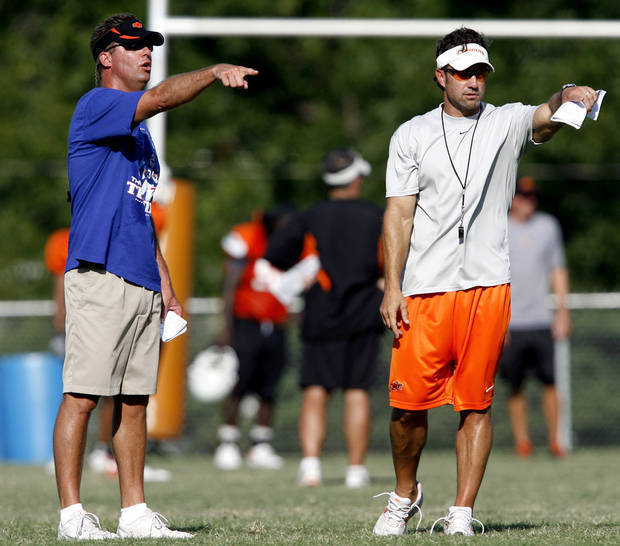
(537, 265)
(254, 326)
(341, 328)
(100, 459)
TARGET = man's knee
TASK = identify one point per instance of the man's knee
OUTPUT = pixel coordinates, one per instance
(80, 403)
(475, 417)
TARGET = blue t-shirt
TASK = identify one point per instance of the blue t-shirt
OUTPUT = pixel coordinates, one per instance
(113, 173)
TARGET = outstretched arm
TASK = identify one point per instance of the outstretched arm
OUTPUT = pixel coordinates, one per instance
(182, 88)
(543, 127)
(397, 226)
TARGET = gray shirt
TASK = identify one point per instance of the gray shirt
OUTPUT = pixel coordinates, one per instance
(535, 251)
(419, 164)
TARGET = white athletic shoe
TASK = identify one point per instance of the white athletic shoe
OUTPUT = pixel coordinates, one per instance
(83, 526)
(149, 525)
(227, 456)
(263, 456)
(101, 462)
(356, 476)
(459, 521)
(309, 474)
(152, 474)
(397, 513)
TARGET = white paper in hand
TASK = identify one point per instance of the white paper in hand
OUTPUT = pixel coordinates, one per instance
(173, 326)
(574, 113)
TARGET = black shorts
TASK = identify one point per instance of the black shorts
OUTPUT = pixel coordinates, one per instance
(261, 349)
(345, 363)
(529, 352)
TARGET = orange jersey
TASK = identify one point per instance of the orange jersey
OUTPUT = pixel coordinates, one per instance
(248, 242)
(450, 351)
(56, 251)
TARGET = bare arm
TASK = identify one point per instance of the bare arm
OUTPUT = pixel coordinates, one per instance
(542, 126)
(169, 301)
(397, 226)
(561, 326)
(182, 88)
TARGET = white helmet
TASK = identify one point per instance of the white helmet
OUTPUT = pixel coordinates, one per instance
(213, 373)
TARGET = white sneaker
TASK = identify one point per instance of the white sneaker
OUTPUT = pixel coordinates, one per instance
(83, 526)
(397, 513)
(459, 521)
(309, 474)
(264, 456)
(156, 474)
(101, 462)
(149, 525)
(227, 456)
(356, 476)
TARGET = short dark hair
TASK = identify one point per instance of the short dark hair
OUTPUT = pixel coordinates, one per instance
(458, 37)
(338, 160)
(102, 29)
(461, 36)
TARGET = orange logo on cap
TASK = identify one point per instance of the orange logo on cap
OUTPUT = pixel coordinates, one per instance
(137, 24)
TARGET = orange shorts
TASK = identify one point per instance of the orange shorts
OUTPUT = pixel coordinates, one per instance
(450, 352)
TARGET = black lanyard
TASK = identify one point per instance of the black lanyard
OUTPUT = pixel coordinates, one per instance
(462, 183)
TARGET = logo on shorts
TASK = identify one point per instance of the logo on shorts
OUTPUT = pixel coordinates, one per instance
(396, 386)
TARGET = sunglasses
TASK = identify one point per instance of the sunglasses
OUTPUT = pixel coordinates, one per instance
(530, 194)
(465, 75)
(131, 46)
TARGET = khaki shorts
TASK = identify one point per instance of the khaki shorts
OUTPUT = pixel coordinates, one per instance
(112, 335)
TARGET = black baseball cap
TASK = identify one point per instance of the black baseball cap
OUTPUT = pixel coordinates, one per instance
(128, 33)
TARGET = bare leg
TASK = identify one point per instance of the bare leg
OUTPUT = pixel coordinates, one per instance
(518, 413)
(265, 413)
(129, 441)
(69, 444)
(106, 420)
(408, 431)
(231, 411)
(473, 446)
(356, 424)
(312, 420)
(551, 411)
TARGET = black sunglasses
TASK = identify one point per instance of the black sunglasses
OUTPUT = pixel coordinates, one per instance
(131, 46)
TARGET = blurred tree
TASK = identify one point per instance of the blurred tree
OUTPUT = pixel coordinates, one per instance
(248, 150)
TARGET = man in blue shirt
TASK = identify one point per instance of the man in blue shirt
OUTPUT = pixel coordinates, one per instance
(117, 285)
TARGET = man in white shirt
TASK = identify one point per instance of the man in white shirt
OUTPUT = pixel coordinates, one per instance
(450, 180)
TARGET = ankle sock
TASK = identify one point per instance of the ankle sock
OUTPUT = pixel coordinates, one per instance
(67, 513)
(132, 513)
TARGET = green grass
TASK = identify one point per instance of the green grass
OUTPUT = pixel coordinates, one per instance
(539, 501)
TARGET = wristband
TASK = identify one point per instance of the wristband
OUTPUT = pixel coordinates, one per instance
(565, 86)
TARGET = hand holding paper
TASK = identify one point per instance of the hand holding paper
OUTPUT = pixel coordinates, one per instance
(173, 326)
(574, 113)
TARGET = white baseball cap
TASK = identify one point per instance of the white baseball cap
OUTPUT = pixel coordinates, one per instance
(463, 56)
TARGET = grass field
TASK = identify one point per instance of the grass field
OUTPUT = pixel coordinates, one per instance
(539, 501)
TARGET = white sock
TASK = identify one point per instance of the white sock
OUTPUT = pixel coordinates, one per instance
(402, 499)
(132, 513)
(67, 513)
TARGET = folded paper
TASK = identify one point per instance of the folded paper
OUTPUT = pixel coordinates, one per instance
(173, 326)
(574, 113)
